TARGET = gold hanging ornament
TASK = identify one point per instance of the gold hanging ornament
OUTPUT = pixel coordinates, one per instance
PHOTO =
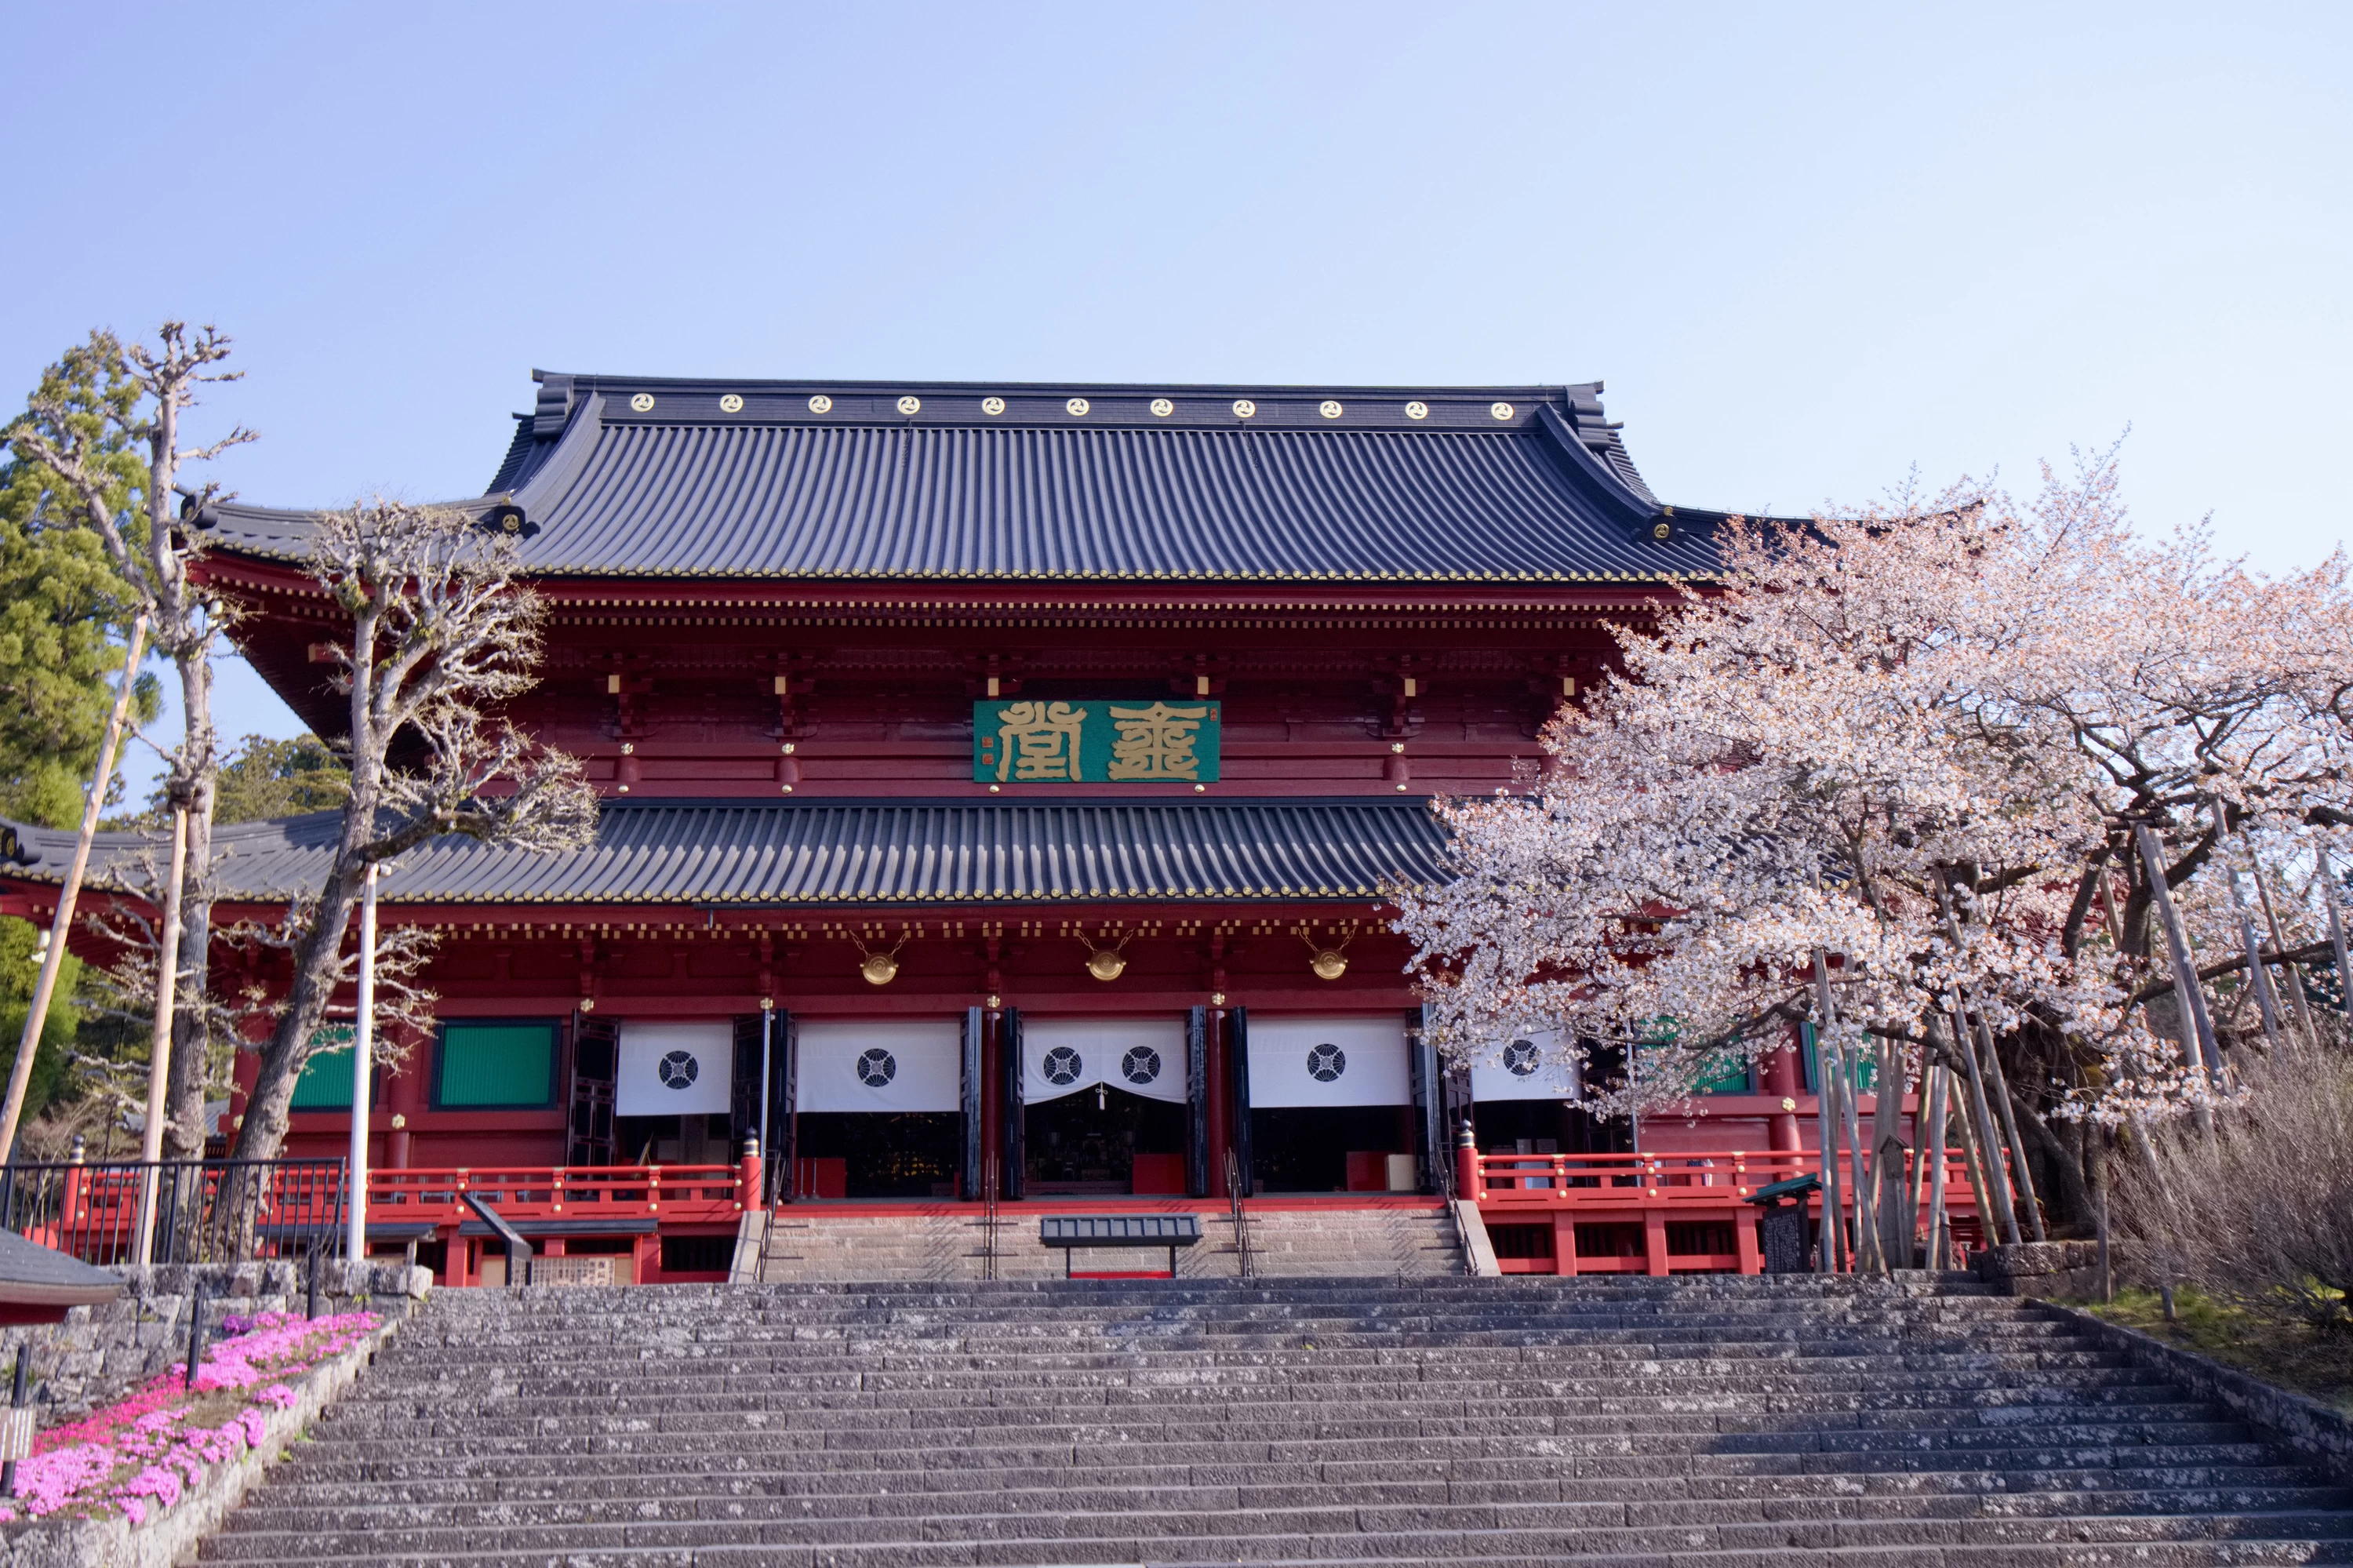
(1107, 963)
(1328, 963)
(880, 969)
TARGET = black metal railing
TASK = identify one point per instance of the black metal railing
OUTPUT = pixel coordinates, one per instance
(989, 1220)
(206, 1210)
(1243, 1261)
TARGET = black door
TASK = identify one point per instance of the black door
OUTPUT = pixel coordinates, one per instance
(1197, 1103)
(1012, 1108)
(743, 1082)
(784, 1078)
(968, 1177)
(1428, 1102)
(1238, 1065)
(595, 1060)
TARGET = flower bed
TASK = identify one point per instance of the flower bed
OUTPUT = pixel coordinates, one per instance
(139, 1457)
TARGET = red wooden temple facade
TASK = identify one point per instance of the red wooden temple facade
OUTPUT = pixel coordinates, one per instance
(999, 785)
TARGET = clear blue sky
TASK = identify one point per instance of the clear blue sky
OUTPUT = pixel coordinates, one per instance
(1806, 247)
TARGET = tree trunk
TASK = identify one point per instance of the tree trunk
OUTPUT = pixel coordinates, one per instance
(317, 966)
(192, 1025)
(2074, 1196)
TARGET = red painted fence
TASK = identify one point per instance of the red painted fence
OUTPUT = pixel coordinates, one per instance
(1671, 1212)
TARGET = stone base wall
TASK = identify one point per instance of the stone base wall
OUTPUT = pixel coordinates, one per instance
(99, 1354)
(2065, 1270)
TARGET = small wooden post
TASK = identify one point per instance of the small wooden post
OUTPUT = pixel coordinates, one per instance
(17, 1434)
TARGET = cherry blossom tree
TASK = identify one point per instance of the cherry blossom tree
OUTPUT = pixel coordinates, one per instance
(1894, 767)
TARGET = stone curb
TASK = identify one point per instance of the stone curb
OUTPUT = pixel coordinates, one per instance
(2310, 1427)
(116, 1542)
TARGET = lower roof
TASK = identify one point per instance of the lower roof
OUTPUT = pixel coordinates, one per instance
(816, 852)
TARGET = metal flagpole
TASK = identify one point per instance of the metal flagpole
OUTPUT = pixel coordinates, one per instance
(158, 1048)
(363, 1060)
(37, 1015)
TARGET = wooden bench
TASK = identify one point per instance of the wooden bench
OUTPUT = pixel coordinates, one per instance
(1071, 1232)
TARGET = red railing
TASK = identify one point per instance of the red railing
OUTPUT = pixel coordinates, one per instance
(1647, 1214)
(680, 1194)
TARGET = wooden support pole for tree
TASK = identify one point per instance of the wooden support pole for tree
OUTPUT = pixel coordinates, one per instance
(1893, 1192)
(1997, 1084)
(2266, 1000)
(1866, 1243)
(1826, 1119)
(1833, 1250)
(1965, 1128)
(1932, 1141)
(2336, 937)
(1982, 1128)
(36, 1014)
(2197, 1028)
(159, 1044)
(2279, 945)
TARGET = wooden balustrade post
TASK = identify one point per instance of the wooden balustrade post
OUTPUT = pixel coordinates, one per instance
(747, 1175)
(1469, 1179)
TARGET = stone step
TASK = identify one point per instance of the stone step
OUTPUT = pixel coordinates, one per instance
(1374, 1534)
(616, 1497)
(1723, 1423)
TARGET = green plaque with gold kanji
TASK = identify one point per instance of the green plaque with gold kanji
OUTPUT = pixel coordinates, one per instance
(1026, 742)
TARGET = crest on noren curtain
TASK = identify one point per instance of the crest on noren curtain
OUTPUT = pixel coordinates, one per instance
(877, 1067)
(1069, 1055)
(673, 1068)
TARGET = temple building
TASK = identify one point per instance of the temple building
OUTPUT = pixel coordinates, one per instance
(1000, 786)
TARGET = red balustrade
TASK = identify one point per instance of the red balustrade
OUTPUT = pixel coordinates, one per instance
(1650, 1212)
(676, 1194)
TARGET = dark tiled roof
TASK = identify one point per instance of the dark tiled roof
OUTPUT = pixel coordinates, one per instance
(814, 852)
(30, 1272)
(751, 480)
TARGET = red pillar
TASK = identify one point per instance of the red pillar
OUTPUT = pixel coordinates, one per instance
(1469, 1179)
(1786, 1082)
(1654, 1241)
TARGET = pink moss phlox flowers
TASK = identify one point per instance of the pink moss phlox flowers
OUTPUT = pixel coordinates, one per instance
(83, 1464)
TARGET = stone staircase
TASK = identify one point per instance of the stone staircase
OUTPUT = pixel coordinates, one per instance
(1720, 1422)
(803, 1244)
